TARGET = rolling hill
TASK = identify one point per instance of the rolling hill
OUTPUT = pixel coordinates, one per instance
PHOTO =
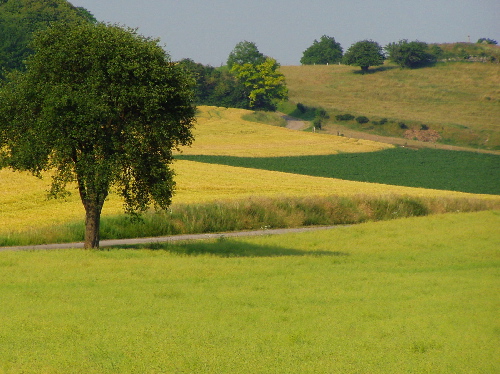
(461, 101)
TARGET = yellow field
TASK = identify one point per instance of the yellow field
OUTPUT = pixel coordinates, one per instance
(24, 203)
(223, 132)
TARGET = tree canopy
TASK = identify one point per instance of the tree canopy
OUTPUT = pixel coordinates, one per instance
(364, 54)
(103, 107)
(245, 53)
(410, 54)
(216, 86)
(322, 52)
(19, 19)
(265, 84)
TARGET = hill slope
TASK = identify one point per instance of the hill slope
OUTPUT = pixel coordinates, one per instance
(459, 100)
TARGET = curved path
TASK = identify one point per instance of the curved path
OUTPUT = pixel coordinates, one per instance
(173, 238)
(335, 129)
(293, 123)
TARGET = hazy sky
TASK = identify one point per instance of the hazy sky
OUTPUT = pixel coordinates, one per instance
(207, 30)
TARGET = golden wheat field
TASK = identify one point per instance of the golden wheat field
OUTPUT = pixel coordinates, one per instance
(24, 203)
(223, 132)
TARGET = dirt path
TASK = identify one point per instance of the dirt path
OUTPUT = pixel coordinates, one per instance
(341, 130)
(294, 123)
(166, 239)
(297, 124)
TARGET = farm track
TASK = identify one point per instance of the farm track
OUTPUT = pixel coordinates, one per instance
(168, 239)
(297, 124)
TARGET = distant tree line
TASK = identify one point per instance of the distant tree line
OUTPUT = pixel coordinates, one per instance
(406, 54)
(250, 80)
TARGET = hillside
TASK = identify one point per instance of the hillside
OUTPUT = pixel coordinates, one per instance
(461, 101)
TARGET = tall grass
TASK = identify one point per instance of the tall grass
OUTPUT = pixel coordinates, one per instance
(254, 213)
(420, 298)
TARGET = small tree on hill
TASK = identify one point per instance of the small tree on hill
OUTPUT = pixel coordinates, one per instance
(323, 52)
(101, 106)
(410, 54)
(364, 54)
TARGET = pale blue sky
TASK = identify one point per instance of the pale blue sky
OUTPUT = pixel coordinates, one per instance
(207, 30)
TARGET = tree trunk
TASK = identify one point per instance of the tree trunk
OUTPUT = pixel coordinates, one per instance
(92, 225)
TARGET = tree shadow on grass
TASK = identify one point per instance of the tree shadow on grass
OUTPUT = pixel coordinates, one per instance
(229, 248)
(373, 70)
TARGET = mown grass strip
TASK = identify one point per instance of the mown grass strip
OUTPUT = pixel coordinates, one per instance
(426, 168)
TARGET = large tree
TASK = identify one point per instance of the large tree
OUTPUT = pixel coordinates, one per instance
(364, 54)
(245, 53)
(322, 52)
(19, 19)
(264, 82)
(410, 54)
(103, 107)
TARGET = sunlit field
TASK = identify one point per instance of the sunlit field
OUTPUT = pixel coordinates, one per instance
(416, 295)
(222, 131)
(24, 203)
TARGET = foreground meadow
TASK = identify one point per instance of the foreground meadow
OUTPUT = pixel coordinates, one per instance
(422, 297)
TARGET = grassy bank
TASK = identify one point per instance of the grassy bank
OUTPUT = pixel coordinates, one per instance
(421, 298)
(253, 213)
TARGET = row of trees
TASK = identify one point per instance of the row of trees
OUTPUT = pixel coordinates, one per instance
(250, 80)
(366, 53)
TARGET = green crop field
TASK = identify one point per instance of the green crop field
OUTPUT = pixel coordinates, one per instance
(417, 295)
(425, 168)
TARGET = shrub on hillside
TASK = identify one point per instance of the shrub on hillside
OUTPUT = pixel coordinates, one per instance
(383, 121)
(362, 119)
(344, 117)
(301, 108)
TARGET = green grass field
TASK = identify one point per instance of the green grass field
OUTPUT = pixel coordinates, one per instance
(425, 168)
(416, 295)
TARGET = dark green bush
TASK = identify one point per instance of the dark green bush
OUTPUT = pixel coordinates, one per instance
(362, 119)
(344, 117)
(402, 125)
(318, 122)
(301, 108)
(321, 113)
(424, 127)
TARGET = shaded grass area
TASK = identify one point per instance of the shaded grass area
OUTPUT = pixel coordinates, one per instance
(425, 168)
(421, 298)
(268, 118)
(254, 213)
